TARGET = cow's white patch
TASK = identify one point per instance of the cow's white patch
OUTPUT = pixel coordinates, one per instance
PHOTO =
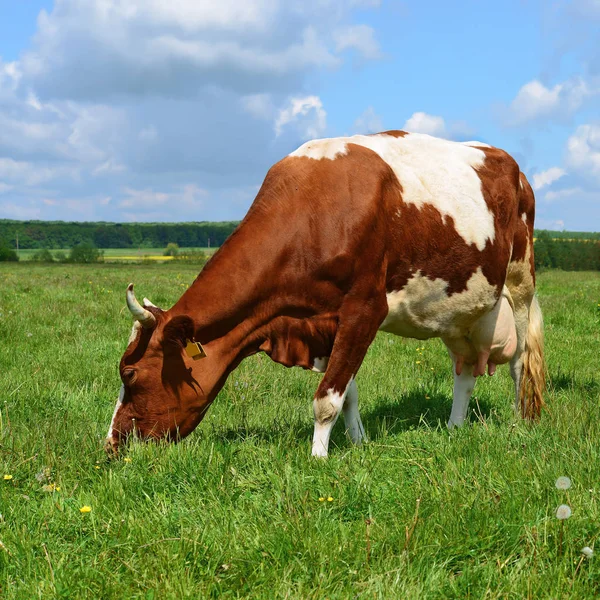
(328, 148)
(431, 171)
(320, 364)
(476, 143)
(524, 217)
(423, 308)
(112, 421)
(134, 331)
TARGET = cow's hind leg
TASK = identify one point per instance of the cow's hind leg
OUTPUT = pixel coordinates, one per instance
(463, 388)
(357, 328)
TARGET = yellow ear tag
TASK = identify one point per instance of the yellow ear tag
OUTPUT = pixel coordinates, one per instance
(195, 350)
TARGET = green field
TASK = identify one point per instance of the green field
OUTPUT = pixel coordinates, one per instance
(123, 254)
(239, 509)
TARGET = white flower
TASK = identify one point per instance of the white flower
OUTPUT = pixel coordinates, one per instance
(563, 512)
(587, 552)
(563, 483)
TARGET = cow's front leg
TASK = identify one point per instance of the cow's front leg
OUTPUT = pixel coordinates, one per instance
(356, 331)
(327, 409)
(354, 425)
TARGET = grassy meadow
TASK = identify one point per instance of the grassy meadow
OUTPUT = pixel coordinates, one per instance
(121, 254)
(239, 509)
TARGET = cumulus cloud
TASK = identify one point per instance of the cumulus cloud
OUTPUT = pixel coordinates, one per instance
(360, 38)
(547, 177)
(176, 48)
(368, 122)
(421, 122)
(583, 151)
(555, 195)
(141, 95)
(536, 102)
(306, 115)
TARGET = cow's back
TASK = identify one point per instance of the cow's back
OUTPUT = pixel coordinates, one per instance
(441, 215)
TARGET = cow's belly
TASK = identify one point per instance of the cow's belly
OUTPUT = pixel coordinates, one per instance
(423, 309)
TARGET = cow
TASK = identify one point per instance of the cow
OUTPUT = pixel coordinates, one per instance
(398, 232)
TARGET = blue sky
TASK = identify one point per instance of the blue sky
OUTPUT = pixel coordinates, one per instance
(145, 110)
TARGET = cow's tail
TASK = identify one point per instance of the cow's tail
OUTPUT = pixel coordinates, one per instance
(527, 367)
(533, 377)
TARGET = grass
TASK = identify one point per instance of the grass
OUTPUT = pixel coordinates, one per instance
(235, 510)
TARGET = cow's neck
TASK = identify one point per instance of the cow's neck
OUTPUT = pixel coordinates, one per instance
(230, 300)
(253, 297)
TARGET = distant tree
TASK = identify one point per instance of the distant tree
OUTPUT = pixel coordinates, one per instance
(541, 250)
(194, 257)
(172, 249)
(8, 255)
(43, 255)
(85, 252)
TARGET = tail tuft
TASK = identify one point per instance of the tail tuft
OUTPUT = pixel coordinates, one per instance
(533, 378)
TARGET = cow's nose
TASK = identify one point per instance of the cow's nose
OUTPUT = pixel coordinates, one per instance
(111, 446)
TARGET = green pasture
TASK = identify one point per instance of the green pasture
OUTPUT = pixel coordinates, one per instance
(122, 254)
(241, 510)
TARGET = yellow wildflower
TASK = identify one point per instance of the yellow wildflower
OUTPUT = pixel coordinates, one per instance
(97, 467)
(85, 509)
(127, 459)
(330, 499)
(321, 499)
(7, 477)
(418, 362)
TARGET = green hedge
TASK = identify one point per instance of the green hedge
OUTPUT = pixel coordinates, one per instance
(60, 234)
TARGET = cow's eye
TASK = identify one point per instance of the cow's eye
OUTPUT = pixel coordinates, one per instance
(129, 376)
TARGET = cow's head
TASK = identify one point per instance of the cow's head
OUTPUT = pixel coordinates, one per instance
(164, 393)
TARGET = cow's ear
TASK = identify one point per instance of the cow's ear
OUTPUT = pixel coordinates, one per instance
(177, 332)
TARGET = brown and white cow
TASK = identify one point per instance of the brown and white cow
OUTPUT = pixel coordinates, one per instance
(399, 232)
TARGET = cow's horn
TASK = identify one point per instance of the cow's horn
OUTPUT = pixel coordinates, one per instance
(144, 316)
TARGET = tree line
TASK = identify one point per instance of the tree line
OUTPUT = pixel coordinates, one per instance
(567, 253)
(63, 235)
(566, 250)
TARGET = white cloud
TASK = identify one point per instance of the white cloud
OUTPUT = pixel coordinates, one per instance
(306, 114)
(547, 177)
(557, 195)
(32, 174)
(259, 106)
(550, 224)
(583, 151)
(188, 196)
(536, 102)
(13, 210)
(176, 48)
(357, 37)
(148, 94)
(368, 122)
(421, 122)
